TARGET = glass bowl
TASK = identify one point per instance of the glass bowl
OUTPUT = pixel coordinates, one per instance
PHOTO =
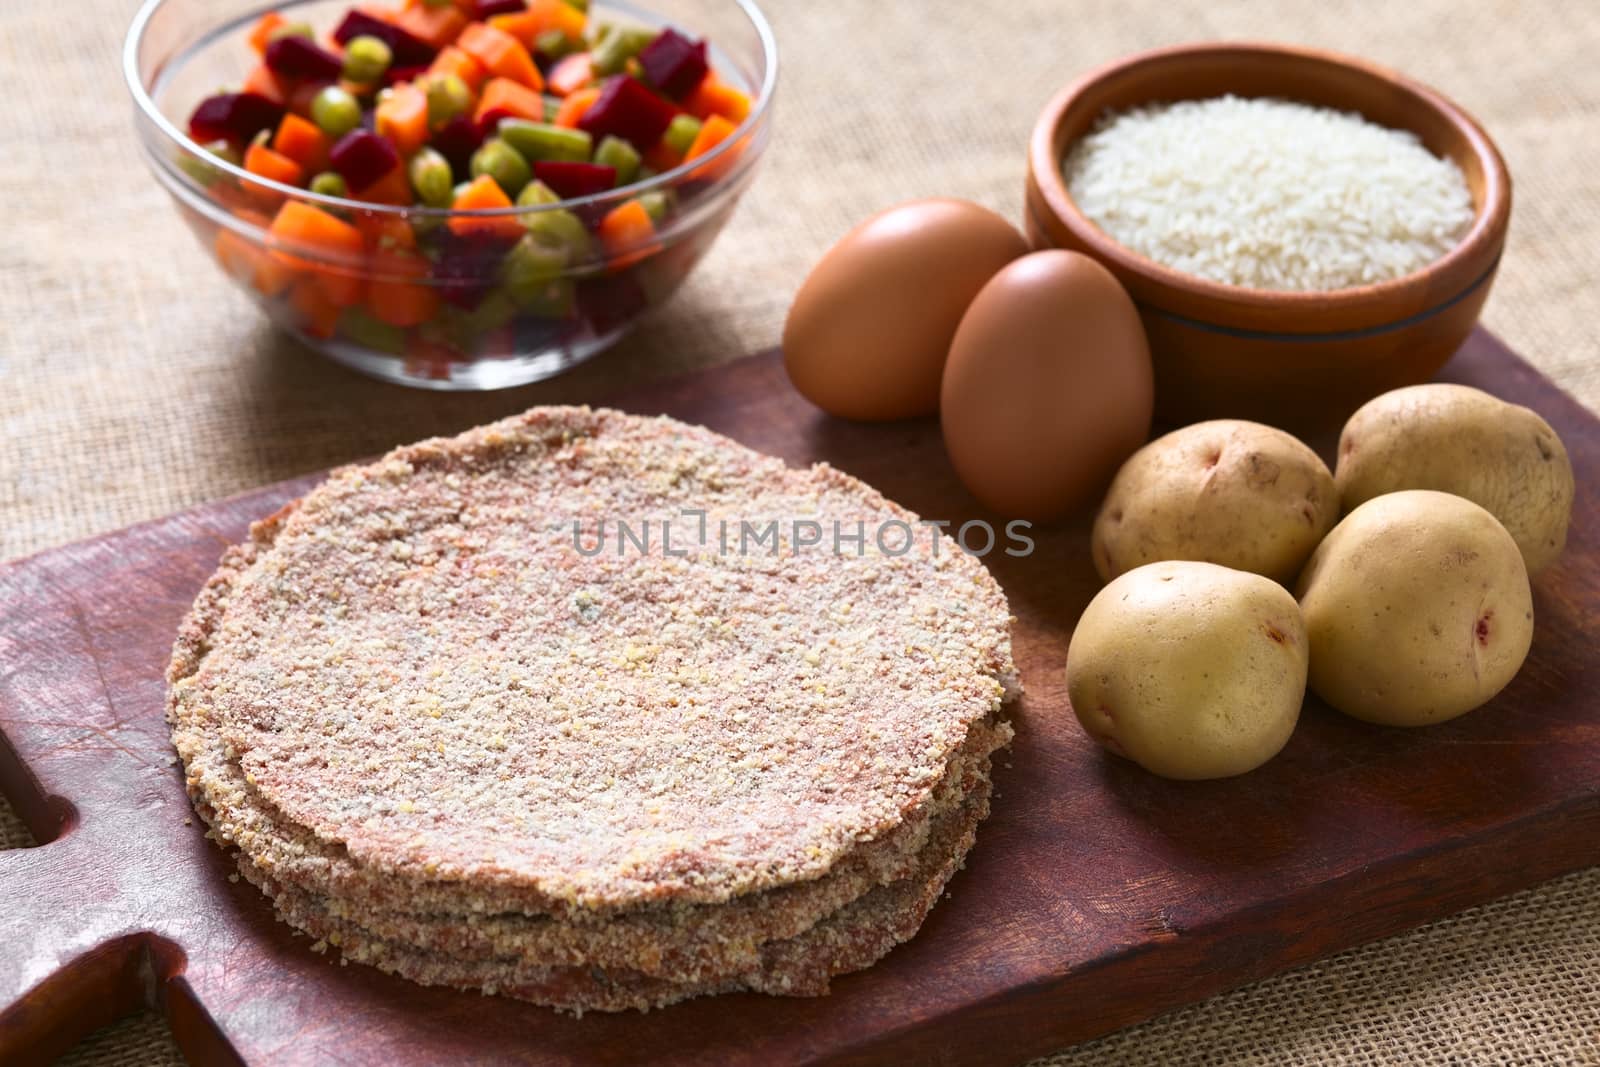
(432, 297)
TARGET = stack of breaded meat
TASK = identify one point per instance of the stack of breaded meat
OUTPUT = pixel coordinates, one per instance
(595, 710)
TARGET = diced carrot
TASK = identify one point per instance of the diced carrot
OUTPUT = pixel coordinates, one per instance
(263, 82)
(303, 142)
(276, 166)
(381, 12)
(482, 194)
(628, 235)
(385, 232)
(393, 188)
(261, 35)
(452, 60)
(396, 294)
(571, 73)
(436, 25)
(542, 15)
(502, 97)
(713, 96)
(247, 261)
(501, 54)
(573, 107)
(403, 118)
(319, 315)
(713, 132)
(310, 230)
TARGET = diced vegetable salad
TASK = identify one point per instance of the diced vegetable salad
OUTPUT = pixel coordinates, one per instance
(461, 104)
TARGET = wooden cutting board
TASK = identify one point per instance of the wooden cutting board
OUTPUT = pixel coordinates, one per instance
(1097, 895)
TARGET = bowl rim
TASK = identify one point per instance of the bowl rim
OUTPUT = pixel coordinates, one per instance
(1483, 238)
(760, 111)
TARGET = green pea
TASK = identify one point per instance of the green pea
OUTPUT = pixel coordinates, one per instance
(335, 111)
(293, 29)
(612, 52)
(502, 163)
(615, 152)
(681, 132)
(366, 58)
(448, 96)
(330, 183)
(542, 141)
(431, 178)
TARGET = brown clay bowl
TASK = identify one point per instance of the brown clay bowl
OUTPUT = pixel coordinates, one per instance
(1281, 357)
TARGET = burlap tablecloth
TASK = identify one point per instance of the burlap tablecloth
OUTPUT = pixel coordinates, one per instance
(134, 381)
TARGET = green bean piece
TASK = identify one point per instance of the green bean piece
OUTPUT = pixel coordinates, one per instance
(681, 132)
(553, 299)
(504, 164)
(431, 178)
(557, 227)
(202, 170)
(538, 193)
(555, 43)
(363, 329)
(656, 204)
(293, 29)
(552, 108)
(612, 52)
(615, 152)
(538, 141)
(335, 111)
(530, 266)
(366, 58)
(330, 183)
(469, 330)
(448, 96)
(581, 5)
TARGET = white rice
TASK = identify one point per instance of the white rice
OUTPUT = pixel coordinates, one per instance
(1268, 193)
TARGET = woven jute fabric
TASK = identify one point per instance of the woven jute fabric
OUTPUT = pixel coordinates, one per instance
(134, 380)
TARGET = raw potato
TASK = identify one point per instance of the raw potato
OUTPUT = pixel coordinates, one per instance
(1460, 440)
(1228, 491)
(1418, 609)
(1189, 669)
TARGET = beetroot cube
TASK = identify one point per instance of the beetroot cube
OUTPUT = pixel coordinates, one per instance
(673, 63)
(302, 59)
(468, 266)
(483, 10)
(456, 140)
(395, 75)
(628, 110)
(409, 50)
(362, 157)
(233, 117)
(569, 180)
(611, 301)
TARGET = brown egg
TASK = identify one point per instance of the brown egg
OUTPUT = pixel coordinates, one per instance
(1048, 387)
(870, 328)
